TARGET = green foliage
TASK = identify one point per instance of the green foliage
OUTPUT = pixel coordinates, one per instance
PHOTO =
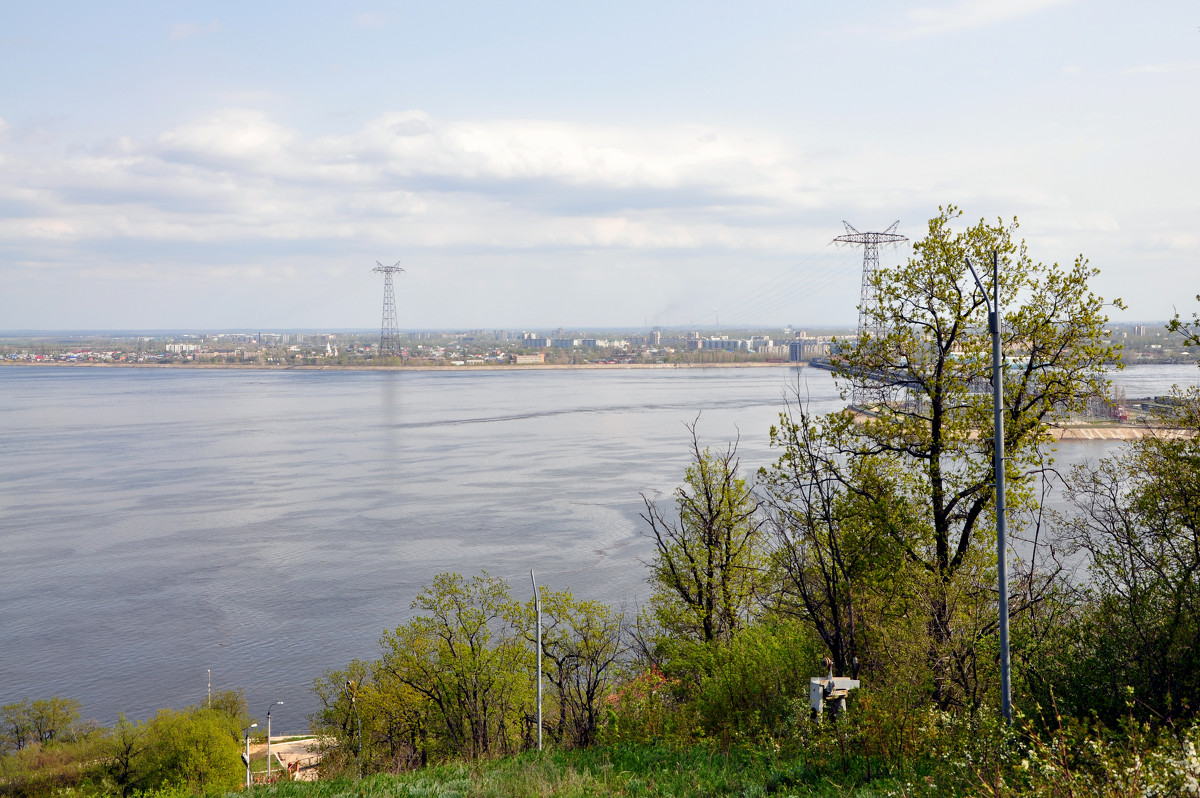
(648, 708)
(582, 646)
(39, 770)
(41, 721)
(919, 465)
(709, 557)
(1139, 525)
(464, 658)
(231, 703)
(197, 750)
(833, 568)
(194, 751)
(1190, 330)
(756, 689)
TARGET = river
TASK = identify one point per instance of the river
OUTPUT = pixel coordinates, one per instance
(157, 524)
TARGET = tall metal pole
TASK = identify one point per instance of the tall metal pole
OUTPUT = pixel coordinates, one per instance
(351, 689)
(998, 460)
(276, 704)
(252, 726)
(537, 603)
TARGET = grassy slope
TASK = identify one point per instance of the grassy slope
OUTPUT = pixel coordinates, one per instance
(620, 771)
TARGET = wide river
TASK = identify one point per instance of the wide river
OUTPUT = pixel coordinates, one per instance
(156, 524)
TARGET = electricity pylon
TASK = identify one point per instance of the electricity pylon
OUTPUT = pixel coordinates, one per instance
(868, 325)
(389, 332)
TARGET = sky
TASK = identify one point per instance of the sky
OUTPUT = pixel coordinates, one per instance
(534, 165)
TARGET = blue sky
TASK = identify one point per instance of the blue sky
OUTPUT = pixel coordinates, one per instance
(200, 165)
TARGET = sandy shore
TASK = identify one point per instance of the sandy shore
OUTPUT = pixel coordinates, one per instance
(1106, 433)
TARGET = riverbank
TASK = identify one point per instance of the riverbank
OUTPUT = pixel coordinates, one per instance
(1106, 432)
(444, 369)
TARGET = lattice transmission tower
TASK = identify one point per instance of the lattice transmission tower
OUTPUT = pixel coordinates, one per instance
(389, 332)
(867, 317)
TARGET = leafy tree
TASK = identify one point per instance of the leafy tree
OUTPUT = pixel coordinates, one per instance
(1190, 330)
(339, 719)
(124, 750)
(464, 656)
(231, 703)
(52, 718)
(1139, 524)
(829, 558)
(197, 749)
(18, 726)
(582, 642)
(40, 721)
(927, 362)
(709, 555)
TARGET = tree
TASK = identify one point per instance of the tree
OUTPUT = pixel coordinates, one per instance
(708, 558)
(52, 718)
(826, 553)
(232, 703)
(463, 655)
(125, 747)
(338, 721)
(40, 721)
(925, 440)
(18, 726)
(1139, 524)
(1190, 331)
(198, 749)
(582, 642)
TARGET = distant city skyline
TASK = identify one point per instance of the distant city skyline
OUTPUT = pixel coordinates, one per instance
(535, 165)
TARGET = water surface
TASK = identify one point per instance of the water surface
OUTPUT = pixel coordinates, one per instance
(266, 525)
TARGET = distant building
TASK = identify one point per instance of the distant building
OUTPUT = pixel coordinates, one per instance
(725, 344)
(806, 349)
(540, 357)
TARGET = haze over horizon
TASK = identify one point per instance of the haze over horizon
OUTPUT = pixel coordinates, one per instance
(217, 166)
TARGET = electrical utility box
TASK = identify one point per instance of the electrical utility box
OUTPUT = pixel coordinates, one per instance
(831, 690)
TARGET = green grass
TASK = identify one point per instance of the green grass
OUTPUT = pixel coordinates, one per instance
(649, 771)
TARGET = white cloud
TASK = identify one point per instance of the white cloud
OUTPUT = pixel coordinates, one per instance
(191, 30)
(238, 176)
(237, 186)
(966, 14)
(235, 135)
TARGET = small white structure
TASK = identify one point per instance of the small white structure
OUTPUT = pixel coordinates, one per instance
(831, 689)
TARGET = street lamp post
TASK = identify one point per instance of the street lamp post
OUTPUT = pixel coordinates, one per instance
(350, 688)
(247, 757)
(993, 306)
(276, 704)
(537, 603)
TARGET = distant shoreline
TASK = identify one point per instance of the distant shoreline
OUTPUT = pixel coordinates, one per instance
(455, 369)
